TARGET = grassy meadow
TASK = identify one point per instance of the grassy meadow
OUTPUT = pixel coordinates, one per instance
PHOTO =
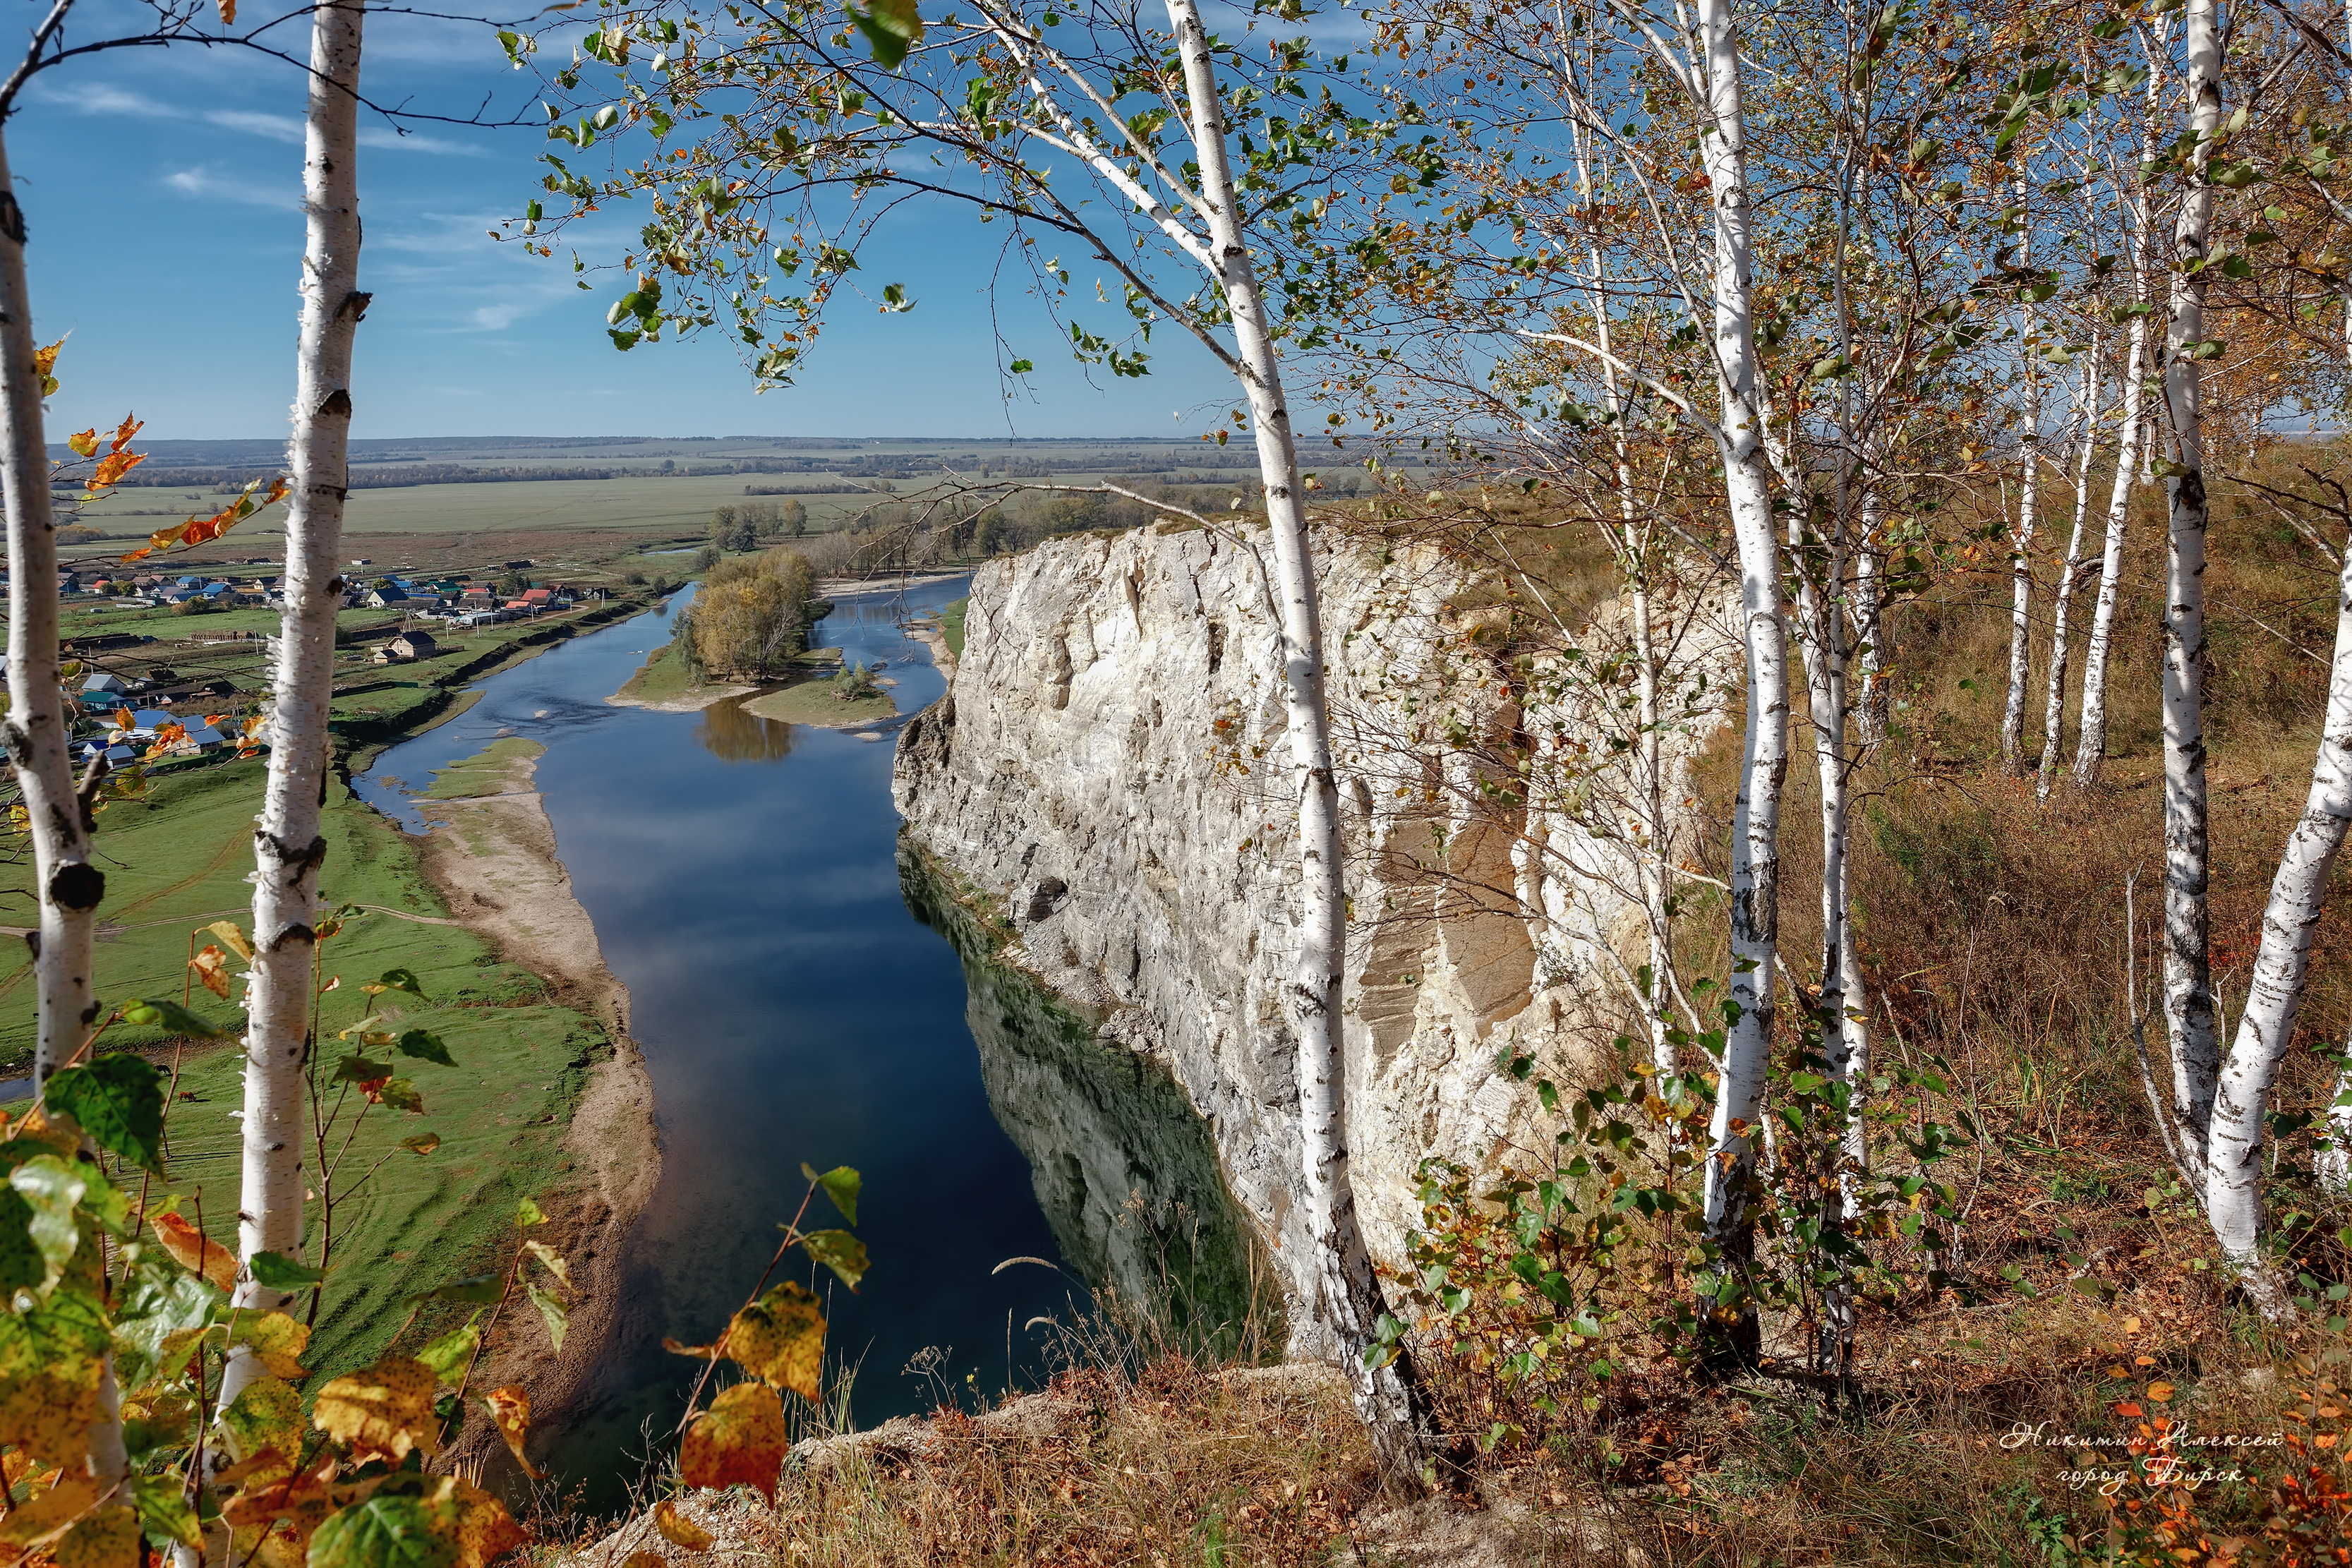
(176, 862)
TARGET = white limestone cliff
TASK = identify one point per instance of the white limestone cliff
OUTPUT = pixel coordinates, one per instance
(1105, 770)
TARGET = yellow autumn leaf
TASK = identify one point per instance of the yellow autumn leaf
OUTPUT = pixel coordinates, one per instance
(383, 1412)
(109, 1538)
(780, 1339)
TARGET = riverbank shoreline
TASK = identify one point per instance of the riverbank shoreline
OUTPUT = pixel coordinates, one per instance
(492, 857)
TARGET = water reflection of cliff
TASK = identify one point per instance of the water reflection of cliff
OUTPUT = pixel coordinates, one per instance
(732, 735)
(1122, 1165)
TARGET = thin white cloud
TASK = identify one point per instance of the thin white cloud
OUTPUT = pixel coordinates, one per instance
(204, 186)
(276, 127)
(104, 99)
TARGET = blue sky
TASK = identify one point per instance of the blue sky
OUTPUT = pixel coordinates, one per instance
(160, 188)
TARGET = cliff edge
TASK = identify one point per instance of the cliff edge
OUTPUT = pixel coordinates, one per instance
(1107, 773)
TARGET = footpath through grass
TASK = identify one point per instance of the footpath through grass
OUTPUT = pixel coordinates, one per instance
(178, 861)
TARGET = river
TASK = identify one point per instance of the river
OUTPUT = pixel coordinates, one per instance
(745, 878)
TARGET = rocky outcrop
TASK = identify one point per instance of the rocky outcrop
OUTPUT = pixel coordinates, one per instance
(1106, 773)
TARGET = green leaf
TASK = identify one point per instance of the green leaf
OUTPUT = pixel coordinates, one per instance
(50, 1188)
(527, 1215)
(385, 1532)
(475, 1290)
(401, 1095)
(839, 1251)
(425, 1047)
(450, 1356)
(558, 1320)
(164, 1510)
(118, 1102)
(841, 1184)
(162, 1013)
(891, 28)
(266, 1414)
(1022, 366)
(397, 979)
(282, 1273)
(160, 1303)
(356, 1068)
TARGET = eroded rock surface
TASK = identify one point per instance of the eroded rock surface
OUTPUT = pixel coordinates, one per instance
(1107, 773)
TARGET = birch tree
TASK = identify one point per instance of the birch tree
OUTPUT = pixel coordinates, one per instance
(2134, 205)
(2234, 1133)
(2187, 980)
(289, 847)
(2062, 596)
(1189, 227)
(2029, 493)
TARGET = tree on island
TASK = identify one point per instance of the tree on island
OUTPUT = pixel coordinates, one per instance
(752, 615)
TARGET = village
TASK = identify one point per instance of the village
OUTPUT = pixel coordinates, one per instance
(160, 695)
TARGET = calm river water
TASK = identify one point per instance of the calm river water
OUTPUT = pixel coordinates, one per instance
(743, 878)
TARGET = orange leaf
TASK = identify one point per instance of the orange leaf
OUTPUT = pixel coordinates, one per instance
(194, 1251)
(2161, 1393)
(113, 467)
(124, 719)
(208, 966)
(84, 442)
(228, 13)
(678, 1530)
(510, 1408)
(742, 1440)
(132, 424)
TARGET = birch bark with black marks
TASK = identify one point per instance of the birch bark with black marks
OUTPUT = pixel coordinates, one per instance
(1764, 763)
(2188, 970)
(38, 735)
(2020, 547)
(288, 845)
(1351, 1305)
(2233, 1158)
(2091, 744)
(37, 730)
(2053, 707)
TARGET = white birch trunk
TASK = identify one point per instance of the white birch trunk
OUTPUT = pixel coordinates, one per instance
(37, 731)
(2090, 744)
(2187, 980)
(2233, 1164)
(2020, 556)
(39, 736)
(1869, 624)
(287, 846)
(2333, 1164)
(1756, 823)
(2054, 708)
(1350, 1304)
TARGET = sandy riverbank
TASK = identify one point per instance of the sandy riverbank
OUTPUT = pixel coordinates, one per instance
(693, 700)
(492, 856)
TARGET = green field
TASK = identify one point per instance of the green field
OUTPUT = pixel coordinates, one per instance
(952, 624)
(178, 861)
(661, 679)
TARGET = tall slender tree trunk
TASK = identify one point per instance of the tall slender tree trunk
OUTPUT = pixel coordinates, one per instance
(1764, 765)
(2090, 744)
(2021, 570)
(1871, 659)
(2187, 975)
(2233, 1160)
(287, 846)
(38, 734)
(2053, 707)
(1389, 1398)
(36, 730)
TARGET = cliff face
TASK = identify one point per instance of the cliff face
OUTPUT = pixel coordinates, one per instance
(1107, 769)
